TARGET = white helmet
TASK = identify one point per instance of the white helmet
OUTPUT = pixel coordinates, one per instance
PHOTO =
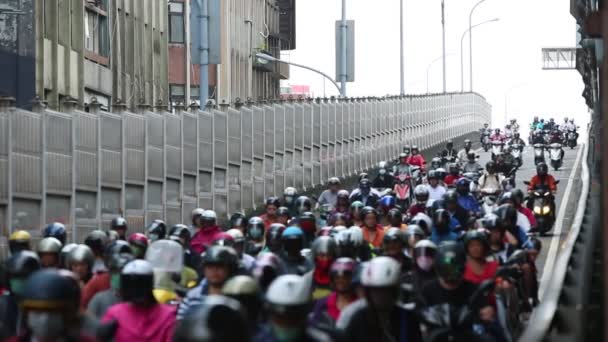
(356, 235)
(423, 220)
(209, 215)
(139, 267)
(381, 272)
(236, 234)
(288, 291)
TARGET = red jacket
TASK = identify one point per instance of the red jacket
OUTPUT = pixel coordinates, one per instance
(451, 179)
(547, 180)
(416, 208)
(416, 160)
(529, 215)
(268, 221)
(203, 239)
(99, 282)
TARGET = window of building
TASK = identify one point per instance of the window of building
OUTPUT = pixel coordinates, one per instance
(96, 33)
(176, 22)
(110, 201)
(134, 197)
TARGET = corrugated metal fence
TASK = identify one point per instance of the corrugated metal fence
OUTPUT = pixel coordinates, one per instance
(84, 168)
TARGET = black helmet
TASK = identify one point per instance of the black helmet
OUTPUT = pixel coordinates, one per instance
(441, 220)
(467, 142)
(450, 196)
(432, 175)
(393, 235)
(463, 186)
(453, 169)
(476, 234)
(273, 200)
(216, 319)
(119, 223)
(18, 268)
(394, 214)
(238, 220)
(449, 144)
(116, 248)
(324, 245)
(274, 237)
(450, 261)
(516, 135)
(542, 169)
(97, 241)
(491, 166)
(518, 196)
(507, 214)
(255, 228)
(222, 255)
(283, 212)
(156, 230)
(52, 290)
(180, 232)
(137, 282)
(368, 210)
(303, 204)
(471, 156)
(492, 222)
(506, 198)
(116, 261)
(56, 230)
(365, 184)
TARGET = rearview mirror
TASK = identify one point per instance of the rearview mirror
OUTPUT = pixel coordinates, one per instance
(528, 183)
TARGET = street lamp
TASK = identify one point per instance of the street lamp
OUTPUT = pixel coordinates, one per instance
(263, 58)
(471, 43)
(428, 68)
(461, 50)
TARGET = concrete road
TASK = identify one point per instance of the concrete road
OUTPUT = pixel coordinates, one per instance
(566, 211)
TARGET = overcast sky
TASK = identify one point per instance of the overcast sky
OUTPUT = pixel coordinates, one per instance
(507, 54)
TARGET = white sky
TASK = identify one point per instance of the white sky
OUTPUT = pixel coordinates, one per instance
(507, 53)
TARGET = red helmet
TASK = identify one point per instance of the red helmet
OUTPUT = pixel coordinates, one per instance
(139, 240)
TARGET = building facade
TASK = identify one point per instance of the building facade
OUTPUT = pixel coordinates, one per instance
(247, 27)
(115, 51)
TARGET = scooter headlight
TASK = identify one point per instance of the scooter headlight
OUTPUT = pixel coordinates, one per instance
(546, 210)
(537, 210)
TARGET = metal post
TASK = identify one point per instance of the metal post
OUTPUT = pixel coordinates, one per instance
(443, 41)
(204, 53)
(401, 47)
(471, 45)
(343, 51)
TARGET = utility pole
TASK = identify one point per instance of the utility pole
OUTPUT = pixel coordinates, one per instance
(203, 17)
(343, 51)
(443, 42)
(401, 47)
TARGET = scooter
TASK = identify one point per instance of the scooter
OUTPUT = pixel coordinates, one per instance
(571, 138)
(403, 190)
(516, 153)
(539, 153)
(489, 197)
(556, 155)
(485, 142)
(542, 207)
(497, 147)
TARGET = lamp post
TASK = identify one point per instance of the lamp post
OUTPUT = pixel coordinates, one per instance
(263, 58)
(461, 50)
(401, 62)
(471, 44)
(443, 41)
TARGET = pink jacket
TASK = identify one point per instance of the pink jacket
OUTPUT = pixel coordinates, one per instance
(152, 324)
(203, 239)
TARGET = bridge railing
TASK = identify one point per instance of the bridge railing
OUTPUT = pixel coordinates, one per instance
(84, 168)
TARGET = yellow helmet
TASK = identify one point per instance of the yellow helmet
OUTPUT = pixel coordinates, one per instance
(20, 235)
(19, 241)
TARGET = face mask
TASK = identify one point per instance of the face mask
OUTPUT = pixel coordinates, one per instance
(286, 333)
(115, 281)
(17, 286)
(45, 324)
(382, 172)
(424, 262)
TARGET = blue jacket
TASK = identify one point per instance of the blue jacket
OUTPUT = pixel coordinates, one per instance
(437, 238)
(469, 203)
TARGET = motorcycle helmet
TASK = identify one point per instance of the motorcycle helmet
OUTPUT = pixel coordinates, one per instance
(415, 150)
(450, 197)
(518, 196)
(65, 251)
(449, 145)
(274, 201)
(480, 235)
(119, 224)
(49, 250)
(56, 230)
(208, 218)
(363, 175)
(432, 175)
(365, 186)
(516, 135)
(424, 254)
(454, 169)
(423, 221)
(414, 230)
(394, 217)
(407, 149)
(81, 254)
(267, 267)
(293, 239)
(497, 130)
(471, 157)
(381, 272)
(542, 169)
(463, 186)
(283, 212)
(19, 267)
(289, 296)
(308, 222)
(289, 195)
(343, 267)
(507, 214)
(393, 235)
(303, 204)
(222, 256)
(450, 262)
(238, 220)
(339, 219)
(336, 230)
(156, 230)
(97, 241)
(19, 241)
(356, 207)
(491, 167)
(348, 241)
(467, 143)
(506, 198)
(223, 239)
(387, 202)
(441, 221)
(421, 192)
(139, 244)
(342, 198)
(255, 229)
(274, 237)
(237, 236)
(181, 234)
(333, 181)
(403, 157)
(492, 222)
(324, 245)
(137, 282)
(246, 291)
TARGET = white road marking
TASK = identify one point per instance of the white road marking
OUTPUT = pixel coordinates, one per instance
(557, 230)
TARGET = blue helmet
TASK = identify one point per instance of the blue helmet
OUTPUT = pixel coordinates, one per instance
(292, 232)
(56, 230)
(387, 202)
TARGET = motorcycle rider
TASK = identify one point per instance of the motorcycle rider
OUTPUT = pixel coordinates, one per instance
(491, 180)
(254, 234)
(330, 195)
(136, 285)
(542, 179)
(327, 310)
(208, 232)
(273, 239)
(422, 194)
(97, 241)
(571, 127)
(550, 125)
(103, 300)
(471, 164)
(485, 131)
(378, 317)
(413, 234)
(522, 220)
(247, 261)
(514, 125)
(538, 138)
(393, 245)
(441, 227)
(508, 131)
(384, 180)
(422, 272)
(269, 217)
(395, 220)
(478, 268)
(518, 199)
(324, 252)
(556, 137)
(119, 225)
(373, 232)
(465, 199)
(364, 194)
(283, 216)
(293, 241)
(402, 166)
(462, 154)
(515, 235)
(453, 176)
(156, 230)
(220, 263)
(517, 140)
(19, 241)
(80, 261)
(449, 153)
(48, 250)
(456, 211)
(497, 136)
(416, 159)
(435, 188)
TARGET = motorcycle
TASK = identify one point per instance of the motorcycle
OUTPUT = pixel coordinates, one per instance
(403, 190)
(516, 153)
(446, 161)
(497, 147)
(571, 138)
(489, 197)
(485, 141)
(473, 178)
(556, 155)
(543, 209)
(539, 153)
